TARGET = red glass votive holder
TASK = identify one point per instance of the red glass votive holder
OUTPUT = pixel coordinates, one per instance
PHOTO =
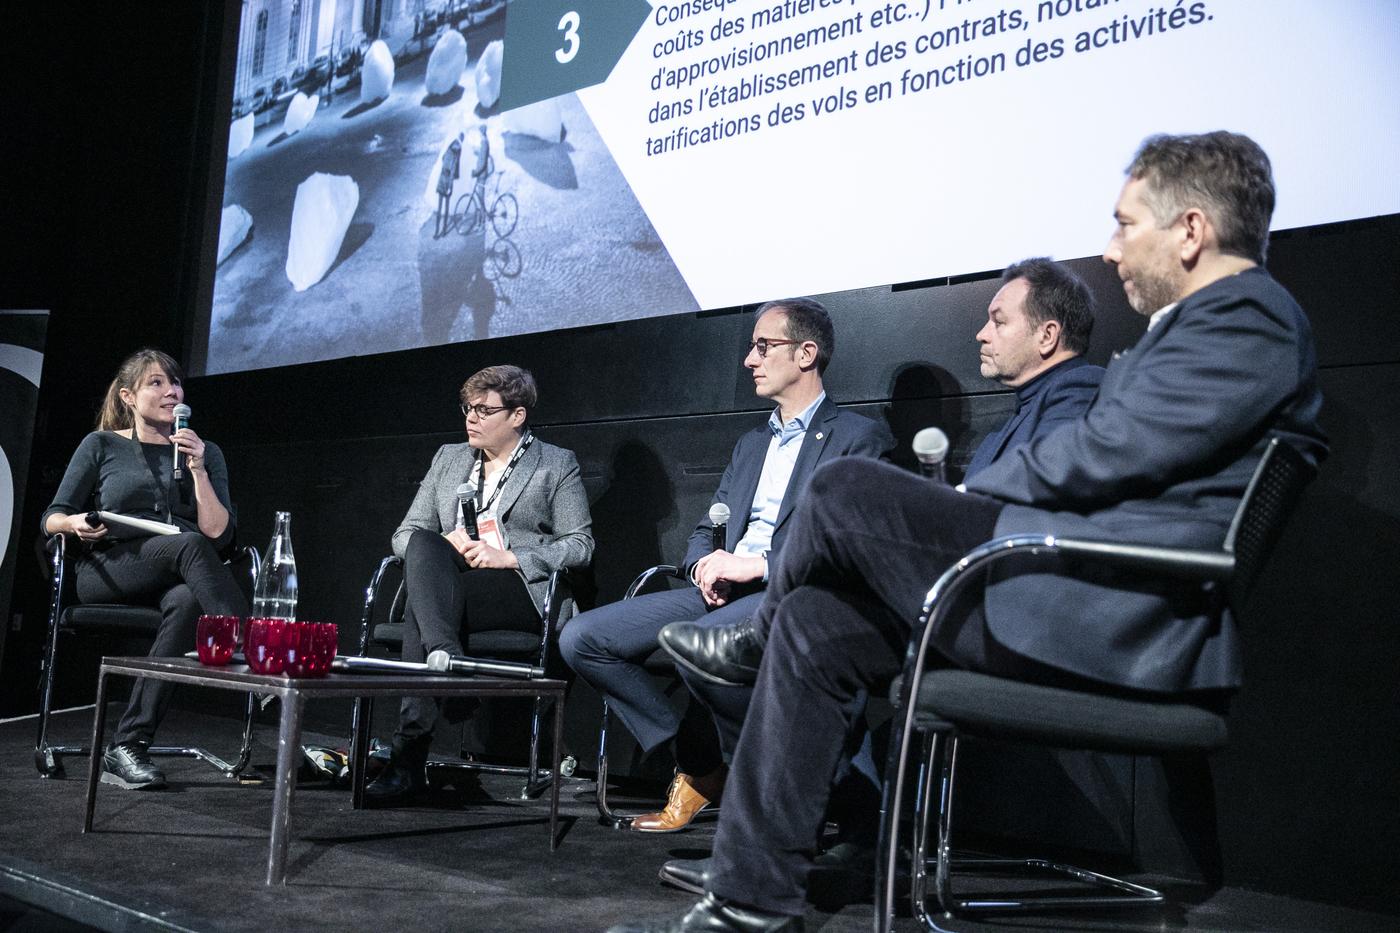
(324, 646)
(298, 658)
(263, 645)
(215, 638)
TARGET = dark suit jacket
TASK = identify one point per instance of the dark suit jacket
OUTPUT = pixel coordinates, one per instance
(1162, 456)
(1055, 397)
(543, 510)
(832, 433)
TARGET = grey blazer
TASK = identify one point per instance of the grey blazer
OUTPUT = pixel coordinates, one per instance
(543, 511)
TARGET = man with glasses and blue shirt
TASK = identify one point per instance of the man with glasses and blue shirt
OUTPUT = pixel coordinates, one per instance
(792, 344)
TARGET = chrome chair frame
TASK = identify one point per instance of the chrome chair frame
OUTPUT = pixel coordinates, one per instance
(537, 780)
(48, 758)
(606, 814)
(1273, 489)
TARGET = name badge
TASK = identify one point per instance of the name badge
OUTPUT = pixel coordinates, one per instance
(489, 531)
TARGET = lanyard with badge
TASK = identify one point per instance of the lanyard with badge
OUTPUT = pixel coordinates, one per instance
(487, 528)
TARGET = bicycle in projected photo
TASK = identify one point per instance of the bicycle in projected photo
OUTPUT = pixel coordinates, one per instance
(471, 213)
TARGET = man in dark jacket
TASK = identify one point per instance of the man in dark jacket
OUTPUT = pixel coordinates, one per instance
(1164, 454)
(793, 340)
(1038, 325)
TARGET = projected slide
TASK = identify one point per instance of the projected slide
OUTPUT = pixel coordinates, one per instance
(411, 174)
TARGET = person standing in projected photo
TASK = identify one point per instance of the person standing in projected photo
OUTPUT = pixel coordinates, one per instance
(482, 171)
(531, 518)
(447, 178)
(125, 466)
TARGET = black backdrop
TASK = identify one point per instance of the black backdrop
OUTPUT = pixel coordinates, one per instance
(108, 110)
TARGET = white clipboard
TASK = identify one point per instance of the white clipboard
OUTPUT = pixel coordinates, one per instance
(136, 524)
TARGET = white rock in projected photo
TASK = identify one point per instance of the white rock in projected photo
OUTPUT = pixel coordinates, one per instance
(543, 120)
(299, 113)
(240, 135)
(488, 74)
(446, 63)
(234, 226)
(320, 217)
(377, 73)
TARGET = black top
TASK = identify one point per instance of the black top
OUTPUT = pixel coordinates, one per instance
(119, 474)
(1061, 393)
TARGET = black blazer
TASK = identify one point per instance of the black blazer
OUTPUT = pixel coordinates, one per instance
(1163, 456)
(832, 433)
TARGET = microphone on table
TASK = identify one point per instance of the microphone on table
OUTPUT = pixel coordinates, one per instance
(466, 509)
(444, 663)
(931, 449)
(719, 526)
(182, 421)
(439, 662)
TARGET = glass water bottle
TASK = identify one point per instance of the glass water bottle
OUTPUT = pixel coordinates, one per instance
(275, 596)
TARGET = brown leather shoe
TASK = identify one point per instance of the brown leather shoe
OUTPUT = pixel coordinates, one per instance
(687, 797)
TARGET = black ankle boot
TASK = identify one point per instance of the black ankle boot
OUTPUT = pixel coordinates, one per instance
(404, 777)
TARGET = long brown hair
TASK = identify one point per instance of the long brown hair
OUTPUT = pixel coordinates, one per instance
(116, 414)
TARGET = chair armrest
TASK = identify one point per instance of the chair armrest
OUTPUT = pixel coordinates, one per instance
(372, 598)
(555, 592)
(1182, 563)
(246, 555)
(645, 577)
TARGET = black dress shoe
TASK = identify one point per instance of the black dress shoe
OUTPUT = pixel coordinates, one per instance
(129, 766)
(723, 654)
(855, 857)
(712, 915)
(404, 778)
(688, 874)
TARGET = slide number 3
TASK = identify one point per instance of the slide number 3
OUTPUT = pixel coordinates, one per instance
(569, 24)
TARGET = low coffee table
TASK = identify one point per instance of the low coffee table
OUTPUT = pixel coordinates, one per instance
(293, 693)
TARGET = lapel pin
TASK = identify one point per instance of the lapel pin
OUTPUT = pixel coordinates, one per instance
(819, 435)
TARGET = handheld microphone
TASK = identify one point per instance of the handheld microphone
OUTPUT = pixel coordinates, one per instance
(182, 421)
(466, 509)
(931, 449)
(719, 526)
(444, 663)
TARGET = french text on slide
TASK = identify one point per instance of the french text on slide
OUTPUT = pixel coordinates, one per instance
(726, 69)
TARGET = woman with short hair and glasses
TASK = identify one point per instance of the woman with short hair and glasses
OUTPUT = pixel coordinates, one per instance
(530, 512)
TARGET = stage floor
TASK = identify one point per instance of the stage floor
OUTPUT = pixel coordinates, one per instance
(193, 857)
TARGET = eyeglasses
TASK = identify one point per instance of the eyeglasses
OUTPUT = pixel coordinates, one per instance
(481, 411)
(764, 344)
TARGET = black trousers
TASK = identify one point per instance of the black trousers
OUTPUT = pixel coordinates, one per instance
(448, 600)
(864, 545)
(183, 576)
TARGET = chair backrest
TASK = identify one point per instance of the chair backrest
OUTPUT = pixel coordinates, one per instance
(1268, 500)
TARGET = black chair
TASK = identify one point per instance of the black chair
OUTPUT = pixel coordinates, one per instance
(658, 664)
(67, 616)
(941, 706)
(506, 645)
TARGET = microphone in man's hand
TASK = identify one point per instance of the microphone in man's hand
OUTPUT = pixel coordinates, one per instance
(931, 449)
(182, 421)
(719, 526)
(466, 509)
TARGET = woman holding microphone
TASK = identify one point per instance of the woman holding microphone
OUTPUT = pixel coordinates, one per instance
(126, 466)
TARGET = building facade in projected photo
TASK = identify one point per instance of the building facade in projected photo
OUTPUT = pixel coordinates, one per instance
(332, 239)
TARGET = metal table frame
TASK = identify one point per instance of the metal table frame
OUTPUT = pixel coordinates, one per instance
(293, 693)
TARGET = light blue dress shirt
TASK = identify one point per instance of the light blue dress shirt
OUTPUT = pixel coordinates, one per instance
(778, 464)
